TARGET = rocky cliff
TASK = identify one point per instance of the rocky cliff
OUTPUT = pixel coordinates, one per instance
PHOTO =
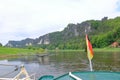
(71, 31)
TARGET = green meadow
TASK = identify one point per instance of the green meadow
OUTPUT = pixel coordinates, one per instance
(107, 49)
(13, 51)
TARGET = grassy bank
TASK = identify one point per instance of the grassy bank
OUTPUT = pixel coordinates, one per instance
(107, 49)
(94, 49)
(65, 50)
(13, 51)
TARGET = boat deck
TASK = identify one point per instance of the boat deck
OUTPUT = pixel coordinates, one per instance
(101, 75)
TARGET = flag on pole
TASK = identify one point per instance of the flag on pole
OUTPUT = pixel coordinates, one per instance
(89, 48)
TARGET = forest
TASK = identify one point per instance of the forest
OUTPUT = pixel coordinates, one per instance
(103, 33)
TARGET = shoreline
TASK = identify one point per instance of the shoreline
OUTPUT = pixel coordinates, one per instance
(18, 51)
(94, 49)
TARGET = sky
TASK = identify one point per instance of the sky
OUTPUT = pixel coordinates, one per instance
(20, 19)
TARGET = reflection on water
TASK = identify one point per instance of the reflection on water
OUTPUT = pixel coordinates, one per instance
(60, 63)
(107, 61)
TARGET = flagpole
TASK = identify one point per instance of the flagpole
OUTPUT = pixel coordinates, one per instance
(90, 64)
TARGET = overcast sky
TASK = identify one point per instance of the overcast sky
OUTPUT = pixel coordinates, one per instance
(20, 19)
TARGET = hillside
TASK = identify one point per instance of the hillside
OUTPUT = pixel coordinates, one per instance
(102, 33)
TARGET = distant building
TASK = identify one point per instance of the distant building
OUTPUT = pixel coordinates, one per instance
(115, 44)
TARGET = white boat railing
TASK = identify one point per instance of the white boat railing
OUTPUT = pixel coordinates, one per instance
(29, 78)
(73, 76)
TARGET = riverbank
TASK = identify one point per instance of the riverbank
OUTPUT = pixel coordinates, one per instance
(94, 49)
(14, 51)
(106, 49)
(21, 51)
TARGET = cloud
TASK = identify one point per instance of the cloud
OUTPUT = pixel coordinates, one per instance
(20, 19)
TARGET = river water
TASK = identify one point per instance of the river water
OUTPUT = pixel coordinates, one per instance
(59, 63)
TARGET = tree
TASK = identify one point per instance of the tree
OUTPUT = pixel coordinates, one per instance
(0, 44)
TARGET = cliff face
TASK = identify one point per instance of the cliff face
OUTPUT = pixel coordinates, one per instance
(102, 33)
(29, 42)
(25, 42)
(71, 31)
(77, 29)
(42, 40)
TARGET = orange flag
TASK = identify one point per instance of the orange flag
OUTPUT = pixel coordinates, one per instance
(89, 48)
